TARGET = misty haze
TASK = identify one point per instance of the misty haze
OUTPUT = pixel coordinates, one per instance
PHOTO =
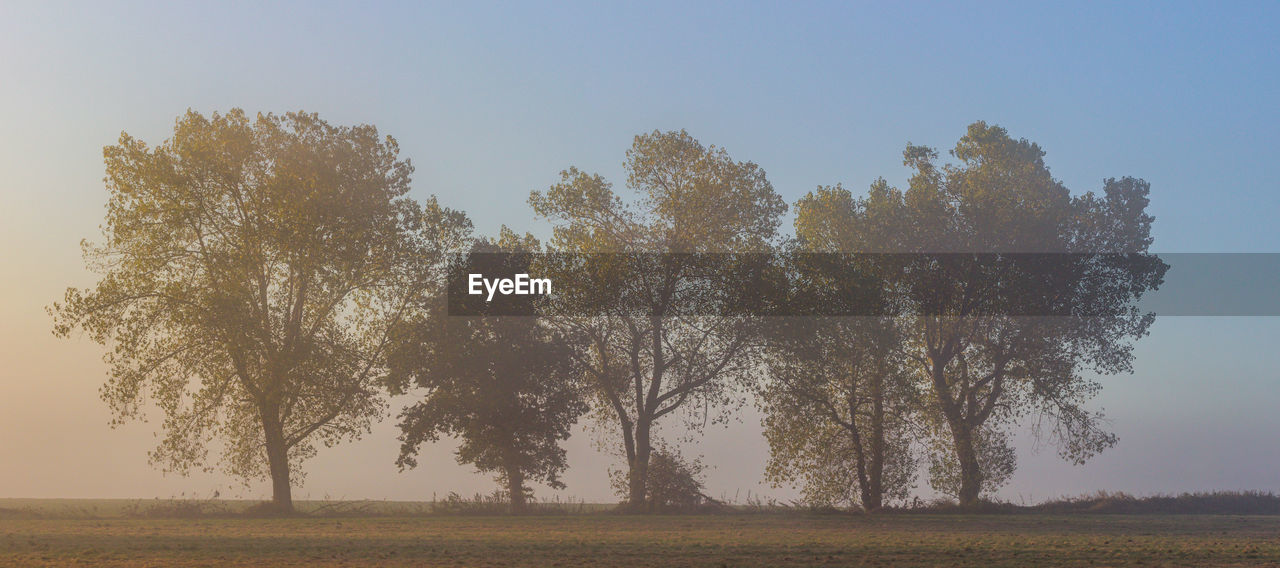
(639, 285)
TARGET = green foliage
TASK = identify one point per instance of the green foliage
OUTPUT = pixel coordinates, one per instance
(506, 386)
(673, 483)
(985, 369)
(687, 198)
(997, 462)
(840, 402)
(251, 271)
(839, 412)
(263, 280)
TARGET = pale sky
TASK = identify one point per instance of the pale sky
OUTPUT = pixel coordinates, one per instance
(492, 101)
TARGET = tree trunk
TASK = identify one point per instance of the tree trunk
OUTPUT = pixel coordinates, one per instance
(867, 494)
(278, 462)
(864, 482)
(970, 470)
(639, 470)
(515, 489)
(961, 434)
(873, 499)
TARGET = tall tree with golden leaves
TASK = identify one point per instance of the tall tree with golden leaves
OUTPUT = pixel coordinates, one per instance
(251, 272)
(664, 352)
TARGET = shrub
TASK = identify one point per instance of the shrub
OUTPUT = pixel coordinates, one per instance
(673, 484)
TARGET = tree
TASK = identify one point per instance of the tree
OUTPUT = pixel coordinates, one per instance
(971, 339)
(252, 271)
(840, 406)
(995, 456)
(839, 410)
(507, 386)
(666, 354)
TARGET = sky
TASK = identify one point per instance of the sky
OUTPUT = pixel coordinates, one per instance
(491, 101)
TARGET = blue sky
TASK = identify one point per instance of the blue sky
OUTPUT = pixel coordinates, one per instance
(491, 101)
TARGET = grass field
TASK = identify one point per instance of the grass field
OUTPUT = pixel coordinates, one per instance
(794, 539)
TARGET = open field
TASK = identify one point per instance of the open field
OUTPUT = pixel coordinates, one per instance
(70, 509)
(793, 539)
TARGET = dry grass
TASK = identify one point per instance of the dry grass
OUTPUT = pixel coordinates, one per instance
(620, 540)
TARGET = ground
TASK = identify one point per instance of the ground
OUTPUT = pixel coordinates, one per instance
(793, 539)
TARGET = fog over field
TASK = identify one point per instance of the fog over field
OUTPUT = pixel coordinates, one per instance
(1180, 95)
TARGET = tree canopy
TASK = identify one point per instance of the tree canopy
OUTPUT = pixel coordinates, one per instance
(266, 281)
(687, 198)
(507, 386)
(986, 362)
(251, 272)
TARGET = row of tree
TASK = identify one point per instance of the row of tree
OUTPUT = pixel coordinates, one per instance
(267, 283)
